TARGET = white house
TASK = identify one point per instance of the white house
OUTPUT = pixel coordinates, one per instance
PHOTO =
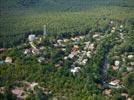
(75, 70)
(27, 51)
(32, 85)
(31, 37)
(115, 82)
(41, 59)
(89, 54)
(117, 63)
(8, 60)
(130, 56)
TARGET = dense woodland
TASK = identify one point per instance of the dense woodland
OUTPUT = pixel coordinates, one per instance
(64, 20)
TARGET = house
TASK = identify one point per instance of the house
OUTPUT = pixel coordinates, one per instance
(132, 63)
(121, 26)
(130, 56)
(130, 68)
(86, 45)
(113, 30)
(75, 70)
(96, 35)
(121, 36)
(56, 45)
(65, 57)
(8, 60)
(81, 37)
(31, 37)
(124, 94)
(75, 48)
(66, 40)
(88, 54)
(91, 46)
(19, 92)
(107, 92)
(32, 85)
(2, 90)
(83, 62)
(35, 51)
(57, 65)
(115, 68)
(41, 59)
(129, 99)
(72, 54)
(2, 50)
(27, 51)
(59, 41)
(112, 22)
(73, 39)
(63, 49)
(42, 48)
(115, 82)
(117, 63)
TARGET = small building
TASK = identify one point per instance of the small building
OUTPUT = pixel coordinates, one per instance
(124, 94)
(115, 82)
(121, 26)
(66, 40)
(96, 36)
(117, 63)
(41, 59)
(84, 61)
(57, 65)
(132, 63)
(75, 70)
(88, 54)
(81, 37)
(71, 55)
(2, 90)
(59, 41)
(8, 60)
(65, 57)
(35, 51)
(19, 92)
(31, 37)
(121, 36)
(42, 48)
(107, 92)
(27, 51)
(63, 49)
(91, 46)
(113, 30)
(32, 85)
(75, 48)
(2, 49)
(56, 45)
(115, 68)
(130, 56)
(129, 98)
(130, 68)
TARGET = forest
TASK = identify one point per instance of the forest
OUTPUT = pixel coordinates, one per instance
(87, 52)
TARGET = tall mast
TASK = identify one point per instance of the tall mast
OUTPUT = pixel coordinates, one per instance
(45, 30)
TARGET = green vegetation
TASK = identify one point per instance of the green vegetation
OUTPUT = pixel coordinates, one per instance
(67, 21)
(18, 21)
